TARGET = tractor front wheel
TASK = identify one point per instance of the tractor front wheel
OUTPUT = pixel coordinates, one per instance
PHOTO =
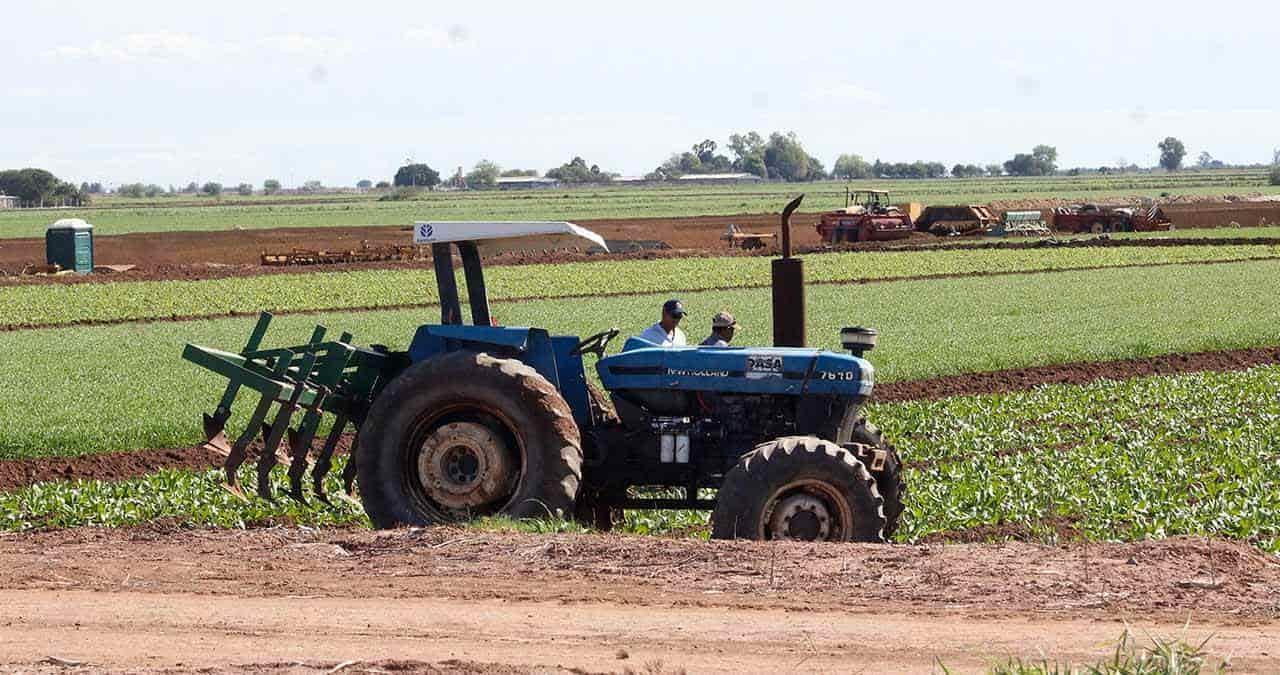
(852, 427)
(889, 477)
(463, 435)
(799, 488)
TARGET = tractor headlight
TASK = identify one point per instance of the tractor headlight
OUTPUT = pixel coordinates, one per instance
(858, 340)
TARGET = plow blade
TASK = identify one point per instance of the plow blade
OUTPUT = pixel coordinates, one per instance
(311, 379)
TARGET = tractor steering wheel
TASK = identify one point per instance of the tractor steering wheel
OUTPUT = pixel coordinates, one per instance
(595, 344)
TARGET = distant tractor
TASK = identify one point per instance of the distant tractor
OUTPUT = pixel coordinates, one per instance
(1091, 218)
(481, 419)
(867, 216)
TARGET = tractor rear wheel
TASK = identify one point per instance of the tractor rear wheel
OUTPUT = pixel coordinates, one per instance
(465, 434)
(799, 488)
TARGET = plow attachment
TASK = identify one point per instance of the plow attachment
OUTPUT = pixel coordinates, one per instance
(304, 381)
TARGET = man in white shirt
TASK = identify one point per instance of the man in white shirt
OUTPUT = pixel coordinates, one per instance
(667, 333)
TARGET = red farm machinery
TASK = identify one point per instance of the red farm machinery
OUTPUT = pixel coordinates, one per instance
(1095, 219)
(867, 216)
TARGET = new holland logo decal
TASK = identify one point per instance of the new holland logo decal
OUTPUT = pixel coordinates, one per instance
(423, 232)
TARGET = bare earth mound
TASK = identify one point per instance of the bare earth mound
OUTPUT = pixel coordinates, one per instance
(605, 603)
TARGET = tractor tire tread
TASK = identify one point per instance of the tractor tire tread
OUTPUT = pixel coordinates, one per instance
(889, 481)
(767, 466)
(553, 436)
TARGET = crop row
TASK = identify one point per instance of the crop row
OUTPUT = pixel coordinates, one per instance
(614, 202)
(73, 391)
(57, 304)
(1144, 458)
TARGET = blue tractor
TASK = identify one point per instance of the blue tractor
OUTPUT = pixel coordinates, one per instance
(479, 419)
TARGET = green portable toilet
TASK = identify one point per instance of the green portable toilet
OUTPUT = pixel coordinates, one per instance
(68, 243)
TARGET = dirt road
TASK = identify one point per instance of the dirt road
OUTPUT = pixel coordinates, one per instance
(469, 601)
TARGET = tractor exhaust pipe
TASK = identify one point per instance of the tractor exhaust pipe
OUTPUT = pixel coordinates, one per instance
(788, 288)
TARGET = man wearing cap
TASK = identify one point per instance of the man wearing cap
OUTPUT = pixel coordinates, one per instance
(667, 333)
(722, 326)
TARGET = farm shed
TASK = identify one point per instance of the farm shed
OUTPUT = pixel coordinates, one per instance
(719, 178)
(526, 182)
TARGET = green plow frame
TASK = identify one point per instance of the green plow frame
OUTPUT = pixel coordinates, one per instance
(312, 379)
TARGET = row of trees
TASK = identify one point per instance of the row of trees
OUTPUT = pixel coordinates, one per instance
(40, 187)
(782, 157)
(211, 188)
(486, 174)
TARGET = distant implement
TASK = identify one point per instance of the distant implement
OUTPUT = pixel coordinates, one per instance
(746, 240)
(1022, 223)
(1099, 220)
(366, 253)
(946, 221)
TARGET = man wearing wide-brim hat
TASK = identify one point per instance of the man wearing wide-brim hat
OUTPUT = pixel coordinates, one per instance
(723, 326)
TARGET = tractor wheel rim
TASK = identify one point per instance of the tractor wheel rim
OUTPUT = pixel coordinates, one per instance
(808, 511)
(465, 465)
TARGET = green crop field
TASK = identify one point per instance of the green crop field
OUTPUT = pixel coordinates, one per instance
(49, 305)
(160, 215)
(1152, 457)
(1266, 232)
(72, 391)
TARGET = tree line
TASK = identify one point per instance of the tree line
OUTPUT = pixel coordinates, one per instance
(781, 156)
(38, 186)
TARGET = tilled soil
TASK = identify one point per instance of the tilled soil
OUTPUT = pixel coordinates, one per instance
(445, 597)
(19, 473)
(235, 253)
(16, 474)
(187, 255)
(1022, 379)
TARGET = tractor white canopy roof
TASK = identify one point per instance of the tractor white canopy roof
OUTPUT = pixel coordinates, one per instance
(510, 235)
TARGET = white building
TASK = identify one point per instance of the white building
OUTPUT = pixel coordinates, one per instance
(526, 182)
(7, 202)
(719, 178)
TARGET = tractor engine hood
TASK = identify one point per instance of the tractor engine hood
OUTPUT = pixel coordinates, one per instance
(738, 370)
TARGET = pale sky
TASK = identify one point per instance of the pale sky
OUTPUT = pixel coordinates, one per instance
(170, 92)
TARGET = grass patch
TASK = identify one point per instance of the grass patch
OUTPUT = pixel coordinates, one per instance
(55, 304)
(528, 525)
(1131, 657)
